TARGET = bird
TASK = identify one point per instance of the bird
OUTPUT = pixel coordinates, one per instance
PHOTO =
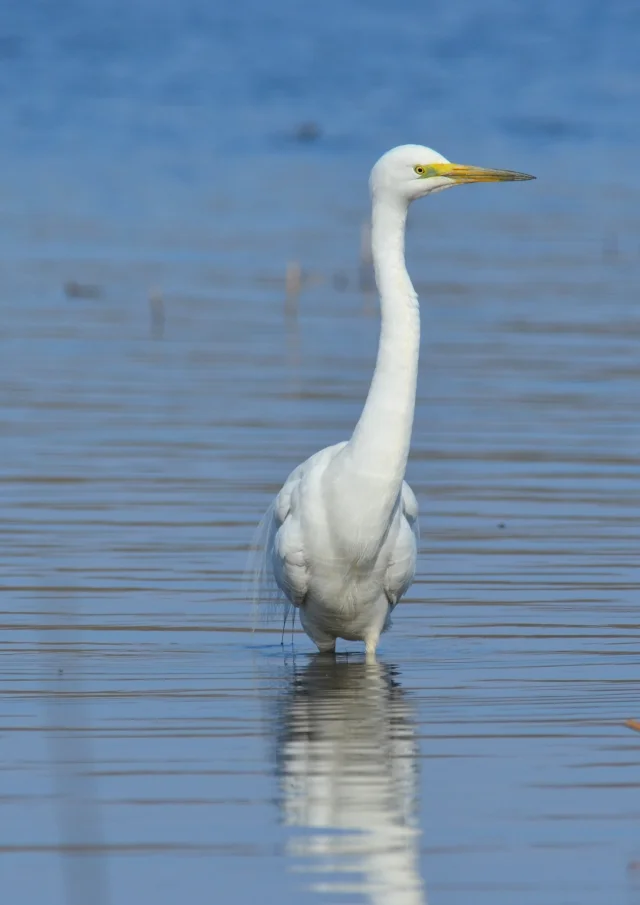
(340, 538)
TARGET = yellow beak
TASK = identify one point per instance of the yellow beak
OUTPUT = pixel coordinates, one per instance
(462, 173)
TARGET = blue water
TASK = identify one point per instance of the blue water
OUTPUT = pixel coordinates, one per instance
(191, 81)
(168, 160)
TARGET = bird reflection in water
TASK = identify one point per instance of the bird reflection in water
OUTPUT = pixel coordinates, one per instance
(347, 766)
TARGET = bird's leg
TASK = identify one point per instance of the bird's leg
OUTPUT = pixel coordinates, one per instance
(293, 623)
(370, 645)
(284, 624)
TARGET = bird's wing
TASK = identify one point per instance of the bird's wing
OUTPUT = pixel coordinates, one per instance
(410, 508)
(402, 564)
(288, 561)
(290, 568)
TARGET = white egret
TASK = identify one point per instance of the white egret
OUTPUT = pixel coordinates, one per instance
(340, 538)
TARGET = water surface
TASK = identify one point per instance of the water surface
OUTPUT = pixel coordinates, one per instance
(154, 394)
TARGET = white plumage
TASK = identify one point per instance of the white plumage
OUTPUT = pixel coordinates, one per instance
(335, 580)
(340, 539)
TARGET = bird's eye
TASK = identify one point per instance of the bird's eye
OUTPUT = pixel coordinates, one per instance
(419, 170)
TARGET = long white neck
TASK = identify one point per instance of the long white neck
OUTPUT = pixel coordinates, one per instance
(378, 450)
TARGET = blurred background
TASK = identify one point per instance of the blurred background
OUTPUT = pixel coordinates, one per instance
(186, 313)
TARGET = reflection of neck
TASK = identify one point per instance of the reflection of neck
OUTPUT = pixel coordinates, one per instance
(349, 763)
(379, 447)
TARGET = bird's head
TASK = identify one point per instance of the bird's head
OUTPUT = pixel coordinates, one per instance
(411, 171)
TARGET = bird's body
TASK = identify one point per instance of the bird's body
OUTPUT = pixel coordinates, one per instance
(341, 536)
(344, 584)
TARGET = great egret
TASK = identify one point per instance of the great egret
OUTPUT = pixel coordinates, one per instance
(340, 538)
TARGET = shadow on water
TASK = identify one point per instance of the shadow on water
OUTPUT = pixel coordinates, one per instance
(346, 758)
